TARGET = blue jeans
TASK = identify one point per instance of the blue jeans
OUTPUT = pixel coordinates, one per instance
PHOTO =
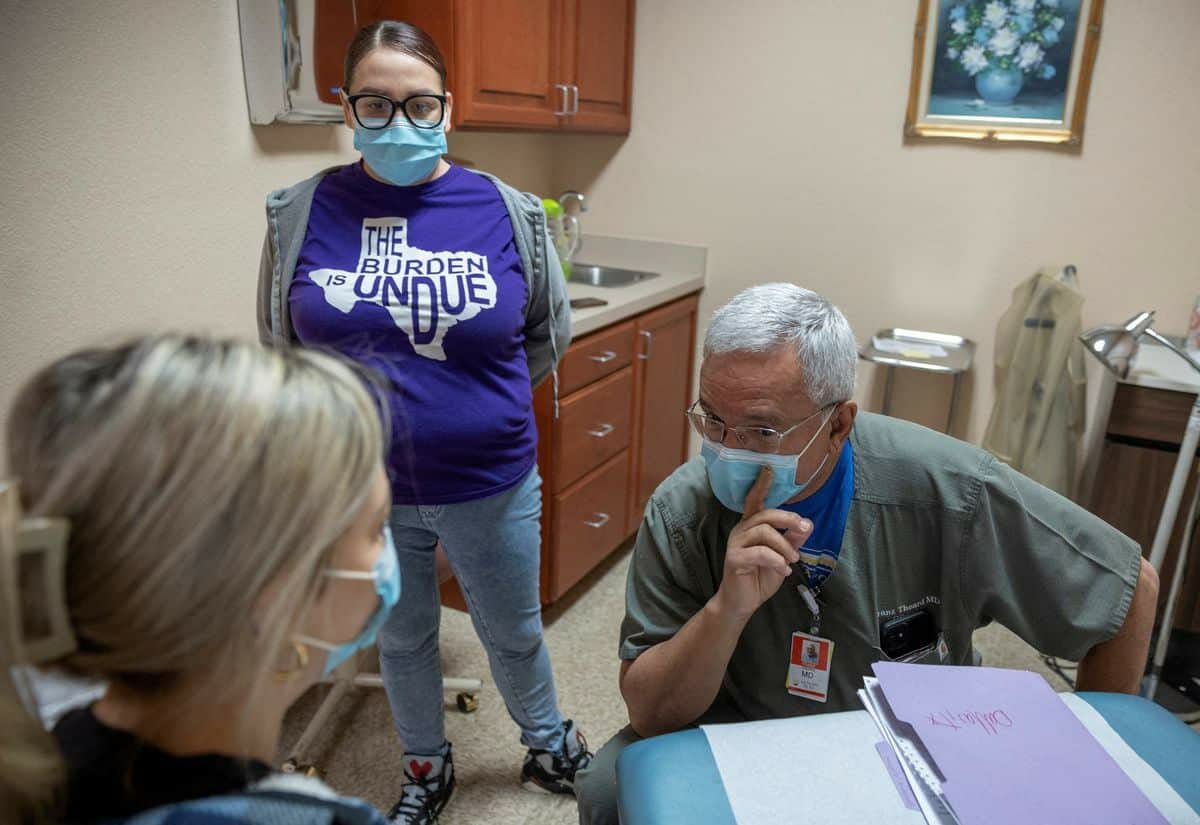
(494, 548)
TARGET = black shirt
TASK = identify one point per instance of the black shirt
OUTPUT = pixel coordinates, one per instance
(112, 773)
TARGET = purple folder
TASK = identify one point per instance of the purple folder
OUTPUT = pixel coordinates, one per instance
(1008, 750)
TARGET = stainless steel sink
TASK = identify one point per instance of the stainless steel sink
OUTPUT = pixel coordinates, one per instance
(593, 275)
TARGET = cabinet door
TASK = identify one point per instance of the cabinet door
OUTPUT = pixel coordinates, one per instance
(662, 392)
(597, 55)
(1129, 494)
(506, 63)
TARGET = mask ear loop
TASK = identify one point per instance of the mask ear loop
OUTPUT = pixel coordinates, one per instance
(37, 558)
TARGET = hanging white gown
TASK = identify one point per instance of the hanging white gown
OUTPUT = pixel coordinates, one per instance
(1039, 415)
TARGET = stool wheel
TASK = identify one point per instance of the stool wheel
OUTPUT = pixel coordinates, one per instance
(467, 702)
(292, 766)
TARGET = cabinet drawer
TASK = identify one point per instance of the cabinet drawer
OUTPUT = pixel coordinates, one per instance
(1149, 413)
(593, 426)
(589, 522)
(595, 356)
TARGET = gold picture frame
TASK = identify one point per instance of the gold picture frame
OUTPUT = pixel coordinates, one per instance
(964, 67)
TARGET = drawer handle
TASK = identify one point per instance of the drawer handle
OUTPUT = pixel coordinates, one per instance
(604, 357)
(601, 520)
(604, 431)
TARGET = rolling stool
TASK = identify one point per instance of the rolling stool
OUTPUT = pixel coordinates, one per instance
(348, 676)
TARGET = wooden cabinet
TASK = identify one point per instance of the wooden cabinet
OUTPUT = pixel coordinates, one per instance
(1141, 446)
(542, 64)
(545, 65)
(621, 430)
(505, 70)
(663, 378)
(596, 55)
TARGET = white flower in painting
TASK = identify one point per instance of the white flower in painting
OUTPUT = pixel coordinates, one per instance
(959, 26)
(1024, 6)
(973, 59)
(1058, 23)
(1029, 56)
(952, 53)
(995, 15)
(1004, 42)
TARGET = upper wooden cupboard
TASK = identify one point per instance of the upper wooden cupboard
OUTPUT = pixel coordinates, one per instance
(541, 65)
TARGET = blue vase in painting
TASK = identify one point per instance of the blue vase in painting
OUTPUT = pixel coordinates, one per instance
(999, 86)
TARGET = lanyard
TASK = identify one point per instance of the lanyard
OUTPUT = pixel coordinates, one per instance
(810, 601)
(810, 591)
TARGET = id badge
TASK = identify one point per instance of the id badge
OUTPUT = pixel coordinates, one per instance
(808, 667)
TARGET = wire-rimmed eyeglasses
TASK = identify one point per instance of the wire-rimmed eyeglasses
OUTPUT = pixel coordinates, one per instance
(757, 439)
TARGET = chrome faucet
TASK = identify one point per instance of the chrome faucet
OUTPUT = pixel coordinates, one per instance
(569, 226)
(572, 194)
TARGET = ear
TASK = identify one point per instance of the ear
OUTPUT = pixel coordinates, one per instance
(449, 121)
(347, 112)
(842, 422)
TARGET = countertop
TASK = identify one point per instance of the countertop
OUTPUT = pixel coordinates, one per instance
(680, 268)
(1156, 366)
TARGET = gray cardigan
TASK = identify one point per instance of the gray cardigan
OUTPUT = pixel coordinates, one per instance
(547, 314)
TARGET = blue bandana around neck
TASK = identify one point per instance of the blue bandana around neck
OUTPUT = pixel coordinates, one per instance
(827, 509)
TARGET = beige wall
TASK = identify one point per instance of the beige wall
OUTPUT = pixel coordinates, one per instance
(134, 203)
(771, 132)
(119, 220)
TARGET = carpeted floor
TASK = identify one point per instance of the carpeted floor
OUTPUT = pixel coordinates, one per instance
(358, 752)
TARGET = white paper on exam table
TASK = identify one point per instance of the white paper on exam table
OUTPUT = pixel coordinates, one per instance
(805, 766)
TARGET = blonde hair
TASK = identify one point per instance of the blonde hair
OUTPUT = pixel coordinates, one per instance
(195, 473)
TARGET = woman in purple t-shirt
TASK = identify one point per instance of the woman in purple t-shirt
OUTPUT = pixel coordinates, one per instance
(444, 281)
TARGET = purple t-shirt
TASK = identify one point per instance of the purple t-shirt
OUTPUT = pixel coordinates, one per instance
(424, 284)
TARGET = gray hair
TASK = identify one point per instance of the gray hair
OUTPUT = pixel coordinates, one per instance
(766, 317)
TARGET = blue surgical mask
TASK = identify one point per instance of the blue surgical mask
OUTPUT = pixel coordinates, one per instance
(386, 575)
(401, 154)
(732, 472)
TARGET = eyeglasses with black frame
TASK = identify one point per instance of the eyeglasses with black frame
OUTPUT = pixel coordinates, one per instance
(756, 439)
(423, 111)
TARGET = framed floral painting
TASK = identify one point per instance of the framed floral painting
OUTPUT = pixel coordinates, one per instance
(1003, 70)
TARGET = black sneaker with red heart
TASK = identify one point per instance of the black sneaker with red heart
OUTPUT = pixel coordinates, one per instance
(553, 771)
(428, 783)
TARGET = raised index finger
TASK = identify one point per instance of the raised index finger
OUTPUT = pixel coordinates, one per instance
(758, 493)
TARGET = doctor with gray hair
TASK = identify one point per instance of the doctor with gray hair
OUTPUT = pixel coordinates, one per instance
(809, 540)
(765, 318)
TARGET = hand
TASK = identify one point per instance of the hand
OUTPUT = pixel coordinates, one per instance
(758, 557)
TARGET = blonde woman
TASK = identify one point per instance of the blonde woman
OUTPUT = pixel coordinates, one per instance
(225, 517)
